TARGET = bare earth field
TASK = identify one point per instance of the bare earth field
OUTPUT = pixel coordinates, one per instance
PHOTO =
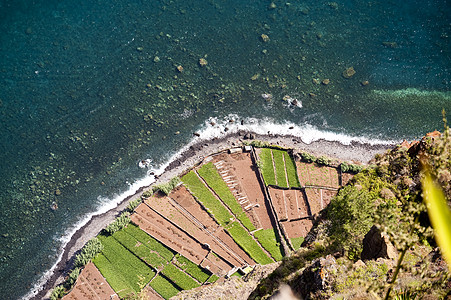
(91, 285)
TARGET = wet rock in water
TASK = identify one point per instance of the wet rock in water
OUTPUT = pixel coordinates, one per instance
(365, 83)
(267, 97)
(312, 95)
(139, 49)
(325, 81)
(390, 44)
(255, 77)
(203, 62)
(180, 69)
(272, 5)
(156, 59)
(315, 80)
(57, 192)
(348, 73)
(264, 38)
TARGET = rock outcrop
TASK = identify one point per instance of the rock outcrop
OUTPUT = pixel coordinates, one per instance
(376, 244)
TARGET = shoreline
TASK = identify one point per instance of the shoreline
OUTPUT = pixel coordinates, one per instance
(187, 158)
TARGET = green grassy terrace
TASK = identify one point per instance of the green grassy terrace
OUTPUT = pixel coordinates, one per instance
(267, 238)
(211, 176)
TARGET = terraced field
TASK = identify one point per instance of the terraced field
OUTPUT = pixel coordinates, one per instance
(233, 211)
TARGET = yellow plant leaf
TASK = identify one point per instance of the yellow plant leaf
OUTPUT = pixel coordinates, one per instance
(439, 214)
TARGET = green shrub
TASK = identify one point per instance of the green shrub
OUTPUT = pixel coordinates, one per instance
(267, 167)
(57, 293)
(120, 222)
(211, 176)
(147, 194)
(307, 157)
(164, 287)
(133, 204)
(166, 188)
(88, 252)
(180, 278)
(323, 161)
(267, 238)
(350, 168)
(204, 195)
(72, 278)
(259, 144)
(249, 245)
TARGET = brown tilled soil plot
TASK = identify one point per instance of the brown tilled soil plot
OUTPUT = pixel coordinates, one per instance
(185, 199)
(151, 294)
(168, 234)
(278, 201)
(240, 174)
(296, 204)
(298, 228)
(311, 174)
(91, 285)
(319, 198)
(192, 225)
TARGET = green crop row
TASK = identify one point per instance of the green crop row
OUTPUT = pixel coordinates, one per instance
(211, 176)
(179, 277)
(204, 195)
(267, 238)
(192, 269)
(248, 244)
(149, 241)
(267, 167)
(291, 170)
(212, 278)
(151, 257)
(164, 287)
(113, 276)
(280, 168)
(297, 242)
(128, 265)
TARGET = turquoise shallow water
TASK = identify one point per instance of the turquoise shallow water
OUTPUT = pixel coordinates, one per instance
(89, 88)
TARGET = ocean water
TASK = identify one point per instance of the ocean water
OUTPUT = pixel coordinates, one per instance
(89, 88)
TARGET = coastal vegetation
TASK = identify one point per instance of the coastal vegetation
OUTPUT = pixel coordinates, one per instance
(166, 188)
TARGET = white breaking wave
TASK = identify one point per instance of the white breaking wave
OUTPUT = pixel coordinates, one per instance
(212, 128)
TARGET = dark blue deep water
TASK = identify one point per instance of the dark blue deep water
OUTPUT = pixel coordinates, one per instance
(88, 88)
